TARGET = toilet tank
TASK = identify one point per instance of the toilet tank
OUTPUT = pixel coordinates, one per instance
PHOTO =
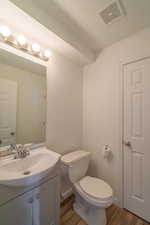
(76, 164)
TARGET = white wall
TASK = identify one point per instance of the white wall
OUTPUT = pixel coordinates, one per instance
(64, 107)
(102, 104)
(31, 103)
(64, 104)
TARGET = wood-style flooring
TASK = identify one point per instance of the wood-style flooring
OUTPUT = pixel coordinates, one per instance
(115, 216)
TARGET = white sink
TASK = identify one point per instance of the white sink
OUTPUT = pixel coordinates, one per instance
(24, 172)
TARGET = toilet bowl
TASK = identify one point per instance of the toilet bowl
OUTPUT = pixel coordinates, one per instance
(92, 195)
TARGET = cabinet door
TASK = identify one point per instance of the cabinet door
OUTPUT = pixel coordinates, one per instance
(46, 203)
(17, 211)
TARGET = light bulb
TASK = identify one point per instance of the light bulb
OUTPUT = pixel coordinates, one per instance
(22, 40)
(5, 31)
(36, 48)
(47, 53)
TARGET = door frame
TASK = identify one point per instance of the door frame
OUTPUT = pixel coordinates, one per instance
(121, 124)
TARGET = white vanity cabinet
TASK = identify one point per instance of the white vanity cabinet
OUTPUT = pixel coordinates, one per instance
(46, 204)
(39, 206)
(17, 211)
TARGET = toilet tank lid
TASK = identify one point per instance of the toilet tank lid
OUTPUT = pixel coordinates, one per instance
(74, 156)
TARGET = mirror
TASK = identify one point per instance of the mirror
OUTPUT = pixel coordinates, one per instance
(22, 100)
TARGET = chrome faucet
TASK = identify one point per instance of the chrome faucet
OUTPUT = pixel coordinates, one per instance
(12, 147)
(20, 151)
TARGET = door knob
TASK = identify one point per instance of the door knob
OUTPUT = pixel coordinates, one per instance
(128, 144)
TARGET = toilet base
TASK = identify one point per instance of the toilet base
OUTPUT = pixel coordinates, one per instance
(80, 211)
(92, 215)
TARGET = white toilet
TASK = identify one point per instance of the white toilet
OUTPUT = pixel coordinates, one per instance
(92, 195)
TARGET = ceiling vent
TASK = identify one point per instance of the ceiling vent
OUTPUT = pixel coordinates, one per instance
(112, 12)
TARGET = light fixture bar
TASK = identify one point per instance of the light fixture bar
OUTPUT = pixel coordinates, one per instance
(21, 42)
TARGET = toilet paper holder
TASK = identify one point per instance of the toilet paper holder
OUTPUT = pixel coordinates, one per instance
(107, 151)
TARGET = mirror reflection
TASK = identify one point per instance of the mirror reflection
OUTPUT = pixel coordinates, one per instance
(22, 100)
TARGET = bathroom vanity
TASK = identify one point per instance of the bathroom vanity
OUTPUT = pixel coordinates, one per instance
(30, 199)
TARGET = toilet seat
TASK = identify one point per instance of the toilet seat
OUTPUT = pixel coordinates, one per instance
(95, 187)
(95, 191)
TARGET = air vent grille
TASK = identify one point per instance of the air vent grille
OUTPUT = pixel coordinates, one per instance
(112, 12)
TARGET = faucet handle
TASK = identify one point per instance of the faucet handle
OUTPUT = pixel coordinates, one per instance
(27, 147)
(12, 147)
(22, 151)
(27, 152)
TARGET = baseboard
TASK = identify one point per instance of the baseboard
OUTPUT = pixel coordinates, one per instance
(66, 194)
(117, 202)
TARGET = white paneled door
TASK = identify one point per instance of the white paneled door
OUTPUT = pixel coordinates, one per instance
(137, 138)
(8, 111)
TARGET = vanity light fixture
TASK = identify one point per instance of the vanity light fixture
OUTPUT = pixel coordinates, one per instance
(47, 54)
(5, 32)
(21, 42)
(35, 48)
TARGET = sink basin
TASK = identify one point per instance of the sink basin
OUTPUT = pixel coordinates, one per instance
(24, 172)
